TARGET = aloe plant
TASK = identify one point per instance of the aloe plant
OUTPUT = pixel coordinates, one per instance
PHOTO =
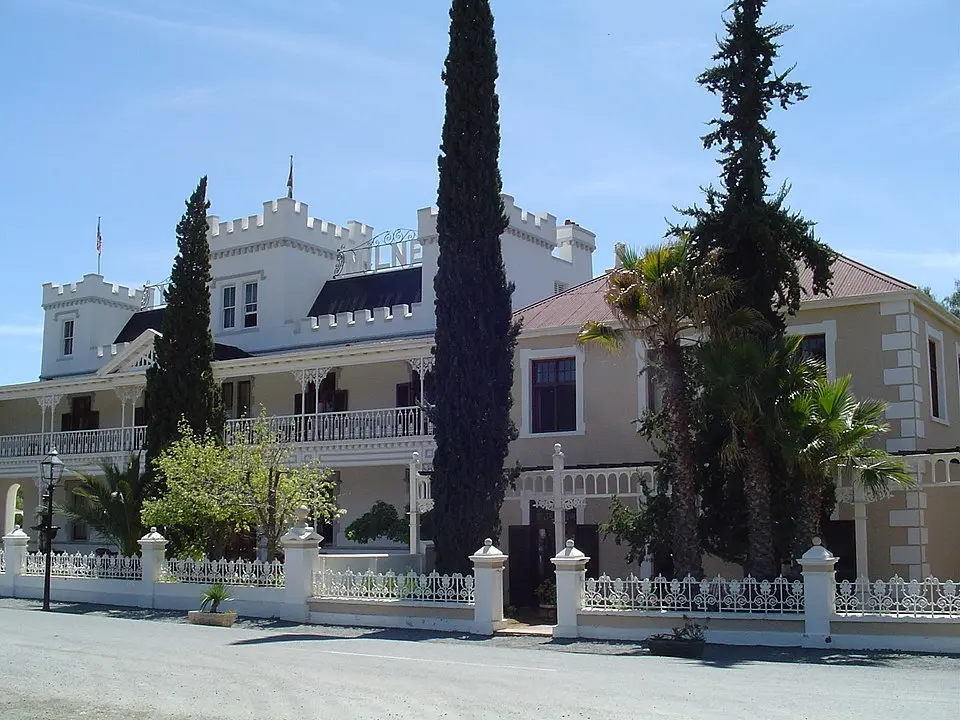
(213, 596)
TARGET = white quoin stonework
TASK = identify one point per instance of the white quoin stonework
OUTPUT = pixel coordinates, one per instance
(488, 563)
(819, 594)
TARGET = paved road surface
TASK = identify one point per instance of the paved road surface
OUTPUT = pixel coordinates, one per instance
(84, 662)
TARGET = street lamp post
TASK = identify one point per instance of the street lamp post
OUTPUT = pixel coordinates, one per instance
(51, 470)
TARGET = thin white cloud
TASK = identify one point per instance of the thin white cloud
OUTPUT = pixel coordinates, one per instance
(20, 330)
(314, 46)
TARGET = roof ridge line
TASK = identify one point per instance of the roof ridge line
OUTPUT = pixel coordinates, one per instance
(560, 294)
(877, 273)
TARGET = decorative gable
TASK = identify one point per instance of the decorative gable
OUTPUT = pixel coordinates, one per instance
(129, 357)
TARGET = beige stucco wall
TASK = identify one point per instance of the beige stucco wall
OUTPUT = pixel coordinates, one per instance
(943, 536)
(610, 383)
(939, 434)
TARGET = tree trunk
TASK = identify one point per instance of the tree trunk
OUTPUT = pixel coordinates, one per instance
(808, 515)
(761, 561)
(687, 558)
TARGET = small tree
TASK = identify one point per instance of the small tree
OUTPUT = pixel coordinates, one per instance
(110, 504)
(218, 489)
(180, 382)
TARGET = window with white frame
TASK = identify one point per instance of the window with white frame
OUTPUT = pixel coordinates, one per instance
(250, 294)
(936, 375)
(67, 346)
(229, 307)
(819, 340)
(552, 388)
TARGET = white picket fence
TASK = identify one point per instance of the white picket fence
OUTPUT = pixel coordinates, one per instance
(898, 597)
(716, 595)
(107, 567)
(431, 588)
(252, 573)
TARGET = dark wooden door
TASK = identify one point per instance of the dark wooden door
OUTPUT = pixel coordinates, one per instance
(840, 538)
(521, 566)
(587, 540)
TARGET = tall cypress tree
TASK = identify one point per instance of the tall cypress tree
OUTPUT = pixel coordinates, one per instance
(180, 382)
(760, 240)
(475, 334)
(761, 244)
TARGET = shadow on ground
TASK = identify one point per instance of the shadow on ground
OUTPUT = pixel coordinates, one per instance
(716, 656)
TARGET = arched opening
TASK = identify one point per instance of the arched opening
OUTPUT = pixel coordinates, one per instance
(13, 508)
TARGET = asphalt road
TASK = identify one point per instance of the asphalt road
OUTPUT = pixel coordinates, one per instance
(85, 662)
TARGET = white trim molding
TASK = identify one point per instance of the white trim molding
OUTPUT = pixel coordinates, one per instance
(935, 336)
(526, 357)
(827, 328)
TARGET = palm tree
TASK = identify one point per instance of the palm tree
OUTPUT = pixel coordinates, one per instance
(663, 298)
(832, 431)
(751, 382)
(111, 503)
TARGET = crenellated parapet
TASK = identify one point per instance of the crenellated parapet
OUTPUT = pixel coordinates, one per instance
(379, 322)
(285, 218)
(91, 287)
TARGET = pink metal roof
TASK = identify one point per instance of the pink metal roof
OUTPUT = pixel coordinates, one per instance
(585, 302)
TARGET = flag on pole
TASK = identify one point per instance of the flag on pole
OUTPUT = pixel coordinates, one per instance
(99, 239)
(290, 180)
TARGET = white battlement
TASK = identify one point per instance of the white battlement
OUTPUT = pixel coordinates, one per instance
(285, 218)
(111, 350)
(363, 324)
(541, 225)
(92, 286)
(570, 233)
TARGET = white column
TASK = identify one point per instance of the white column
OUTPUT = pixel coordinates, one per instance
(14, 548)
(414, 502)
(571, 570)
(153, 548)
(488, 563)
(301, 554)
(819, 594)
(559, 526)
(860, 529)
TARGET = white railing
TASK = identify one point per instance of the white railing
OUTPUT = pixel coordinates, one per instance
(336, 426)
(899, 598)
(74, 442)
(432, 588)
(254, 573)
(717, 595)
(105, 567)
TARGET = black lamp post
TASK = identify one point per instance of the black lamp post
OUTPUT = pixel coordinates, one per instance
(51, 470)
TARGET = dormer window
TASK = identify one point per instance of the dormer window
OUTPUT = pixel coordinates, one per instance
(229, 307)
(67, 346)
(250, 304)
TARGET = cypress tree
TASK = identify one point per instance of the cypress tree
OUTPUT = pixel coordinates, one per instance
(760, 240)
(180, 382)
(475, 333)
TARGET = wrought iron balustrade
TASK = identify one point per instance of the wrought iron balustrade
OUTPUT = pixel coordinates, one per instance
(350, 425)
(74, 442)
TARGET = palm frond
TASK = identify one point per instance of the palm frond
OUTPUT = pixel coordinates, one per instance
(598, 333)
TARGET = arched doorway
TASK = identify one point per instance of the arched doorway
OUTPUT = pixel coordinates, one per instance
(12, 508)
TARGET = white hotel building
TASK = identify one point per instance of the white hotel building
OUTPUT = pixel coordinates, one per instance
(328, 328)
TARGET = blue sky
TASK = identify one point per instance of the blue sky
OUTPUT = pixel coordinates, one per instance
(116, 108)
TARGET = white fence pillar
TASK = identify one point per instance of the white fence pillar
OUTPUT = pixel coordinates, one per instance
(819, 594)
(14, 549)
(301, 556)
(153, 548)
(559, 516)
(571, 567)
(488, 563)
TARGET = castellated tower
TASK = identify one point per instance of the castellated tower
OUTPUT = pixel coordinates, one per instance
(288, 255)
(79, 318)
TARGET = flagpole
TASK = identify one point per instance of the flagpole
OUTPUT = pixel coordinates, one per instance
(290, 180)
(99, 244)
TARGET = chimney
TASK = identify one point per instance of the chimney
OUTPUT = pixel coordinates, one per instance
(618, 251)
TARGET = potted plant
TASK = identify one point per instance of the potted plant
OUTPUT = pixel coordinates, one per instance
(683, 642)
(547, 597)
(211, 598)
